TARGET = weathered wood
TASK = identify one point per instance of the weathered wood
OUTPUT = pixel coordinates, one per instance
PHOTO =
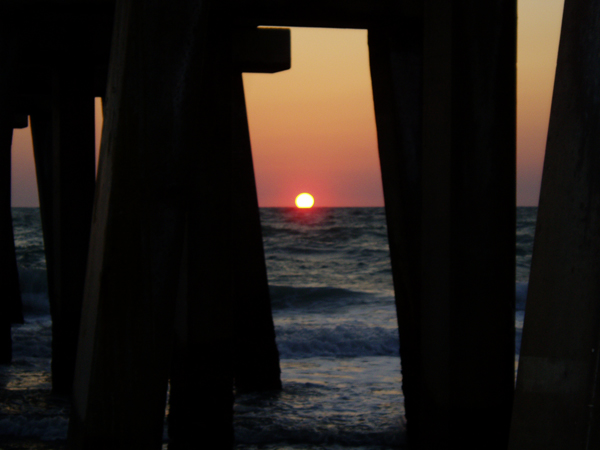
(10, 303)
(41, 134)
(261, 50)
(256, 355)
(202, 379)
(453, 266)
(556, 400)
(153, 119)
(9, 281)
(72, 191)
(396, 72)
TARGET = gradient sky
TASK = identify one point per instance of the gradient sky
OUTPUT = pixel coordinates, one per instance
(313, 127)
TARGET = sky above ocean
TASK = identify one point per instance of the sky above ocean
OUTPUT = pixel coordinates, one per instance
(313, 127)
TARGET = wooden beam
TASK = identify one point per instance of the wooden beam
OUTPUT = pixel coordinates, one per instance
(202, 376)
(556, 400)
(261, 50)
(153, 120)
(10, 304)
(454, 166)
(256, 358)
(72, 190)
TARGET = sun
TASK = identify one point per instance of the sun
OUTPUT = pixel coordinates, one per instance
(305, 200)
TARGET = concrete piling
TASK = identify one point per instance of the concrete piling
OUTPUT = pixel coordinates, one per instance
(457, 331)
(556, 399)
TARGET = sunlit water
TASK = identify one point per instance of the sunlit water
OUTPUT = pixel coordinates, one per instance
(336, 329)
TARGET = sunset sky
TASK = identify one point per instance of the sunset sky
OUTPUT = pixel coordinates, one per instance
(313, 127)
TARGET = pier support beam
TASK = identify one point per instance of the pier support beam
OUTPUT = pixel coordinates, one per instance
(202, 375)
(71, 186)
(153, 120)
(451, 214)
(10, 303)
(256, 358)
(556, 399)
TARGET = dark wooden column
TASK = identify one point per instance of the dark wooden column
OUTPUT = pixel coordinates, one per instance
(448, 168)
(256, 358)
(256, 355)
(10, 303)
(556, 399)
(41, 135)
(71, 187)
(153, 120)
(9, 281)
(202, 375)
(396, 59)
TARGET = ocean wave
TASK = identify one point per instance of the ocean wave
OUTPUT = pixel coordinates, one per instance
(284, 297)
(353, 339)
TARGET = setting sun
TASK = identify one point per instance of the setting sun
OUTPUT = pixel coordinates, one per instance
(305, 200)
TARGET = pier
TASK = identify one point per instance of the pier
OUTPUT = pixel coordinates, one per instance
(132, 310)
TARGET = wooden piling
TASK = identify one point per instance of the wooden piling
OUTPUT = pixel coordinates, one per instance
(556, 399)
(256, 358)
(9, 281)
(72, 190)
(449, 187)
(153, 119)
(10, 304)
(202, 380)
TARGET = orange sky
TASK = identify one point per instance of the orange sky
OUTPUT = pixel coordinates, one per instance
(313, 127)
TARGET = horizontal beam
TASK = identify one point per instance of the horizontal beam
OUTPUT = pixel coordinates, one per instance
(308, 13)
(324, 13)
(262, 50)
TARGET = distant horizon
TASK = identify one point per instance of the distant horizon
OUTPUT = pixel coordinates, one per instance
(294, 207)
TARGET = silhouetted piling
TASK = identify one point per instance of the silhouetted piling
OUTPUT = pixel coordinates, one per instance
(153, 119)
(256, 358)
(256, 354)
(202, 379)
(397, 96)
(556, 400)
(72, 191)
(448, 169)
(10, 303)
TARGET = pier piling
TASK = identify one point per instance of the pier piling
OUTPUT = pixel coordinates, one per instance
(72, 191)
(556, 399)
(256, 358)
(448, 159)
(10, 304)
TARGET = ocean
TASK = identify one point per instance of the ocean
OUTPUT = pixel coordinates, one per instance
(333, 307)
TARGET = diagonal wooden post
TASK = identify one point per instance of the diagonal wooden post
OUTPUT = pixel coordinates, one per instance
(556, 399)
(201, 400)
(71, 187)
(10, 304)
(256, 358)
(444, 93)
(153, 120)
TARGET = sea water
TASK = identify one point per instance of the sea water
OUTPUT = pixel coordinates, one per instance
(333, 307)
